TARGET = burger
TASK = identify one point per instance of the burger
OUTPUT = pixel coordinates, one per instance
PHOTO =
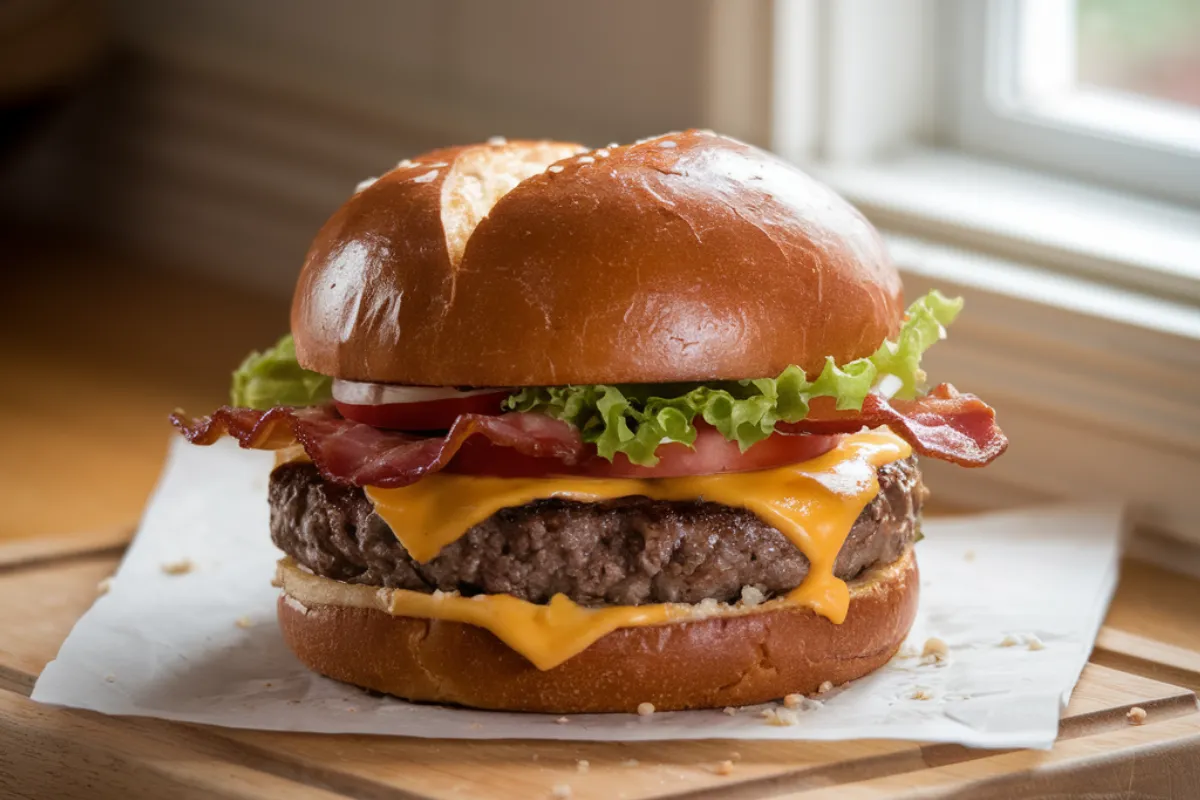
(572, 430)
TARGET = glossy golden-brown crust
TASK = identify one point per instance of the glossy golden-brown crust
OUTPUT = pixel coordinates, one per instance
(711, 663)
(686, 257)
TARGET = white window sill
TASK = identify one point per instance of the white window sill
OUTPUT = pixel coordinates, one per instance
(1096, 381)
(1119, 238)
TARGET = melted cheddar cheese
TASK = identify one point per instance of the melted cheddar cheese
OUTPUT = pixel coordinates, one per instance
(813, 503)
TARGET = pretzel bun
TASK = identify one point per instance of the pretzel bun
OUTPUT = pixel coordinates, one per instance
(687, 257)
(719, 661)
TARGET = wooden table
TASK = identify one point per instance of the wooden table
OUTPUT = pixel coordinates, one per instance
(96, 351)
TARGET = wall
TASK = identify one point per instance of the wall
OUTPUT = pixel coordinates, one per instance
(226, 131)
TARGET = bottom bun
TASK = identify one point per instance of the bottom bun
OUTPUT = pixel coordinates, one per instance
(708, 663)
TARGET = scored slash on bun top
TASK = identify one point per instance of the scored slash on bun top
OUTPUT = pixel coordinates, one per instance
(686, 257)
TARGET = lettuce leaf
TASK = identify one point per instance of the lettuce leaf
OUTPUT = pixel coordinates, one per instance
(274, 378)
(636, 419)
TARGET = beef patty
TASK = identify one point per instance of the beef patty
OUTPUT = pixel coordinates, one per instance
(628, 551)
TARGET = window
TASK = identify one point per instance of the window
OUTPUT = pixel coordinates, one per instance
(1105, 90)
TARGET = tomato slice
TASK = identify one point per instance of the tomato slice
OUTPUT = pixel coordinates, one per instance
(712, 454)
(429, 415)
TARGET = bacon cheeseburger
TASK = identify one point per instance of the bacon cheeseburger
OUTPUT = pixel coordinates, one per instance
(572, 430)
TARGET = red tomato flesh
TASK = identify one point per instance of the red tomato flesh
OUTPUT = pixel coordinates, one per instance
(713, 454)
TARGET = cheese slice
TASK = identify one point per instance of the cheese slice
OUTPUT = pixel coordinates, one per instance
(813, 503)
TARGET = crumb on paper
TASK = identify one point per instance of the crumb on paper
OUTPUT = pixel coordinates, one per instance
(826, 686)
(780, 717)
(1009, 641)
(631, 762)
(244, 622)
(583, 765)
(969, 555)
(1136, 715)
(104, 586)
(921, 694)
(730, 711)
(562, 720)
(110, 678)
(1034, 643)
(724, 768)
(645, 709)
(561, 790)
(908, 650)
(181, 567)
(935, 651)
(793, 700)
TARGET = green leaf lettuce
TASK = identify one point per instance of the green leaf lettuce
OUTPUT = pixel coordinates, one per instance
(636, 419)
(274, 378)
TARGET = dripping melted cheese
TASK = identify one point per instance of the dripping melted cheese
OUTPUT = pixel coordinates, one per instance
(813, 503)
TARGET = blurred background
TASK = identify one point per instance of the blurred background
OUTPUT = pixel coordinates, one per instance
(163, 167)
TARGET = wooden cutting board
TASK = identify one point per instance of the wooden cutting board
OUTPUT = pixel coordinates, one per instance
(46, 584)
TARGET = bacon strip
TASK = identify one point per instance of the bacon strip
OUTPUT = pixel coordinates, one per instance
(944, 424)
(354, 453)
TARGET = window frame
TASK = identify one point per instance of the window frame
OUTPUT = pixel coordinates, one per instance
(1001, 109)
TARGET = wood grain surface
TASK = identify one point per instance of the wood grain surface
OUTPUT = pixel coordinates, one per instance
(96, 351)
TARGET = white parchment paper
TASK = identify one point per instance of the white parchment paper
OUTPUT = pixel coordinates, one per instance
(1018, 598)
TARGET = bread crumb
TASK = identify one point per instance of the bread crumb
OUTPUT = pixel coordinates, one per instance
(104, 586)
(1034, 643)
(1009, 641)
(583, 765)
(244, 622)
(735, 755)
(752, 596)
(631, 762)
(781, 717)
(826, 686)
(562, 720)
(908, 650)
(561, 790)
(730, 711)
(497, 141)
(969, 555)
(645, 709)
(1136, 715)
(110, 678)
(181, 567)
(922, 694)
(793, 700)
(364, 184)
(724, 768)
(935, 651)
(476, 726)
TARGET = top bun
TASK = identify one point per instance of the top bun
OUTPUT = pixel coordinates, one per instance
(687, 257)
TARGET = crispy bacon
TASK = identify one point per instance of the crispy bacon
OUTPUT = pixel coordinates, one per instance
(355, 453)
(944, 424)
